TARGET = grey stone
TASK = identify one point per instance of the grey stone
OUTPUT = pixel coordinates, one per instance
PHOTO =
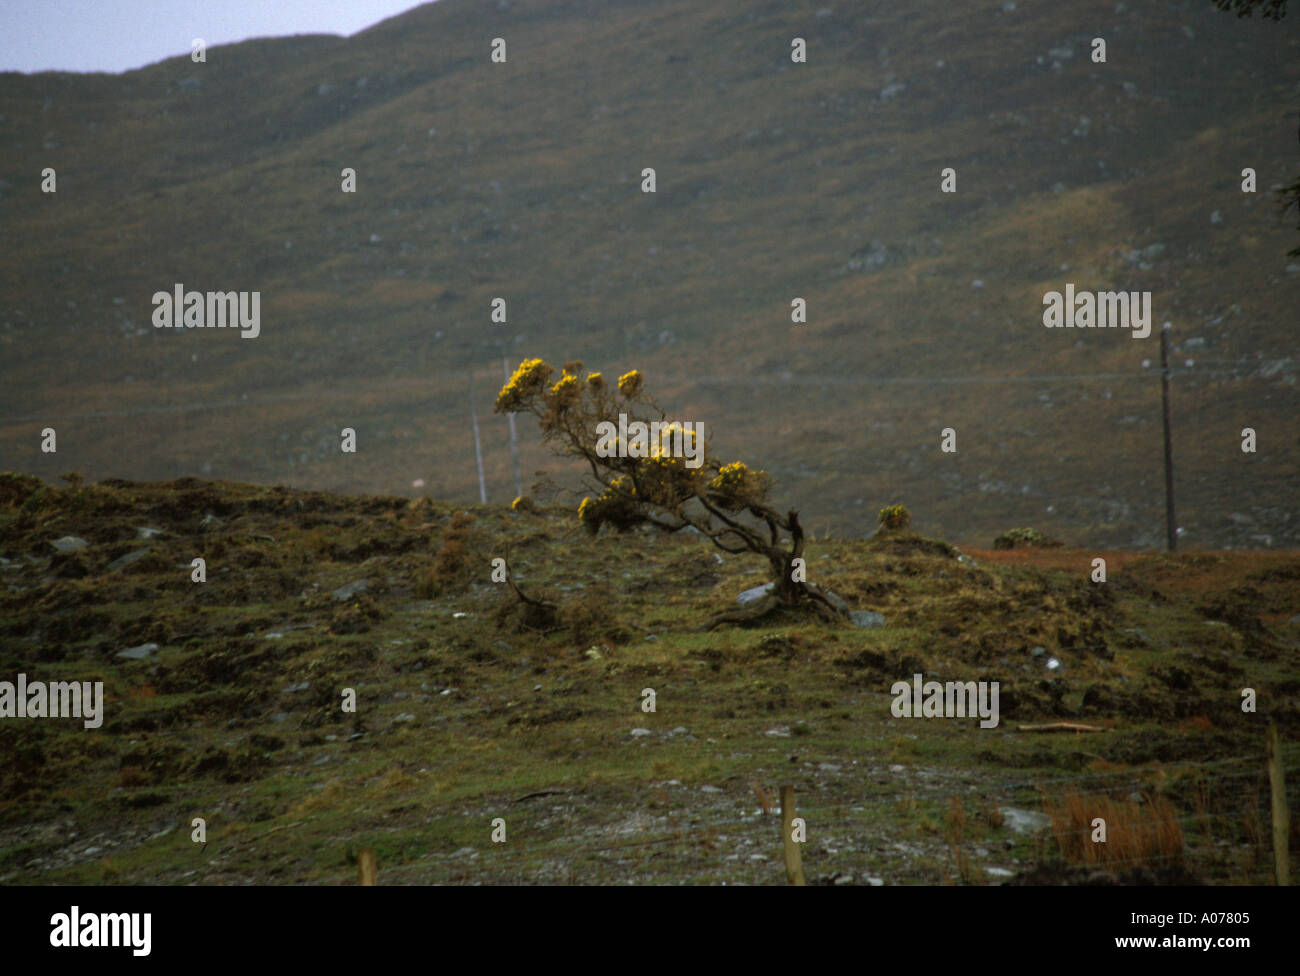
(1024, 821)
(138, 653)
(404, 718)
(351, 589)
(119, 564)
(867, 618)
(69, 543)
(144, 532)
(755, 593)
(292, 689)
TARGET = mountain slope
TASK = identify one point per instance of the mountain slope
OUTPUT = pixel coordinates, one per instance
(775, 180)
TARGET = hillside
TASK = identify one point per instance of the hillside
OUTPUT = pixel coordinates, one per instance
(222, 700)
(775, 180)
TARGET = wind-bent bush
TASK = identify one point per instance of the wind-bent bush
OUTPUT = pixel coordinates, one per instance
(663, 476)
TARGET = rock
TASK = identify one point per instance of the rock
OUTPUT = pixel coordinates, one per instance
(867, 618)
(999, 873)
(640, 732)
(292, 689)
(755, 593)
(351, 589)
(843, 879)
(69, 543)
(190, 84)
(876, 882)
(1038, 651)
(119, 564)
(209, 523)
(1024, 821)
(404, 717)
(138, 653)
(144, 532)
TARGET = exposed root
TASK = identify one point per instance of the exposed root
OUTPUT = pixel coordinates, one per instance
(810, 598)
(760, 608)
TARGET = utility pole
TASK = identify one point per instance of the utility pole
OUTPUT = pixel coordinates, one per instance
(514, 440)
(478, 449)
(1171, 530)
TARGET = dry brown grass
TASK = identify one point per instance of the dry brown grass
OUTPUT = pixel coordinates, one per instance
(1137, 833)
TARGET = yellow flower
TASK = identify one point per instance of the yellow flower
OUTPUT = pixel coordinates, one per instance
(565, 392)
(528, 380)
(629, 384)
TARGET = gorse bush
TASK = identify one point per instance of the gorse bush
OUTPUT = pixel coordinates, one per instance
(893, 517)
(1024, 539)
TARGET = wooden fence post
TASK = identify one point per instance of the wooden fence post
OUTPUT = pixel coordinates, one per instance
(366, 869)
(793, 863)
(1281, 816)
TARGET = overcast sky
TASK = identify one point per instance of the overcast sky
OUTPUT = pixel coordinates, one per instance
(117, 35)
